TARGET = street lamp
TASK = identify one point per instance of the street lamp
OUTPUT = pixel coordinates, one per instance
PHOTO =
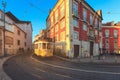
(4, 6)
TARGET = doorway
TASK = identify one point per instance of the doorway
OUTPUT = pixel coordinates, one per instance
(76, 50)
(91, 48)
(0, 47)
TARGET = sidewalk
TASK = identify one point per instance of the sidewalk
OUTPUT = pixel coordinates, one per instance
(103, 59)
(3, 75)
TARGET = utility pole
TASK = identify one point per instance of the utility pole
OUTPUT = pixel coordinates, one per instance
(4, 6)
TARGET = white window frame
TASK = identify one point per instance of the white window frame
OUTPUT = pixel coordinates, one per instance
(107, 44)
(115, 43)
(84, 14)
(75, 8)
(115, 33)
(76, 35)
(52, 21)
(96, 23)
(107, 33)
(75, 22)
(56, 16)
(62, 10)
(85, 27)
(91, 19)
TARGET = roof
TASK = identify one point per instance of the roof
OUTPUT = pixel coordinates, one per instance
(9, 14)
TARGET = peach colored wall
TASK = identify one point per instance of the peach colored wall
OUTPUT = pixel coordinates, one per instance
(12, 49)
(1, 37)
(20, 37)
(27, 27)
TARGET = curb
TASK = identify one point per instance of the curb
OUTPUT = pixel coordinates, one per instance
(91, 61)
(3, 75)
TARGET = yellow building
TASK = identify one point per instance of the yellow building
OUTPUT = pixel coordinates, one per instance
(74, 27)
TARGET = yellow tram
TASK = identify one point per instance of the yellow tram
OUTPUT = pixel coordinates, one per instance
(43, 48)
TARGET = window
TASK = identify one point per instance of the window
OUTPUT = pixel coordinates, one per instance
(56, 28)
(75, 22)
(75, 8)
(25, 44)
(115, 33)
(62, 36)
(0, 32)
(52, 21)
(62, 10)
(52, 31)
(48, 23)
(76, 35)
(107, 44)
(44, 46)
(25, 36)
(85, 26)
(0, 44)
(35, 46)
(49, 46)
(115, 44)
(8, 40)
(56, 16)
(107, 33)
(85, 14)
(18, 42)
(62, 24)
(56, 37)
(96, 23)
(40, 45)
(91, 19)
(1, 16)
(18, 32)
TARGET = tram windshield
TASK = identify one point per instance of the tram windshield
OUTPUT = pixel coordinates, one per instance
(49, 46)
(46, 45)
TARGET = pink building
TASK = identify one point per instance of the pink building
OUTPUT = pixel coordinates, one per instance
(16, 38)
(111, 37)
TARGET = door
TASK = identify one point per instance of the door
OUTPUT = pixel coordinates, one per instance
(0, 47)
(91, 48)
(76, 50)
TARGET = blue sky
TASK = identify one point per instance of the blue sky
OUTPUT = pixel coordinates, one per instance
(37, 11)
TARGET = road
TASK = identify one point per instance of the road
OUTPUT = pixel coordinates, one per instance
(25, 67)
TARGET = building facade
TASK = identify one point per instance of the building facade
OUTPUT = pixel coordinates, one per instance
(26, 26)
(15, 37)
(42, 36)
(111, 37)
(74, 28)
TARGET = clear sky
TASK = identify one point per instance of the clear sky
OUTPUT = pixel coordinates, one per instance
(37, 11)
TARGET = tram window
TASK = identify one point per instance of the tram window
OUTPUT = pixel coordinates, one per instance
(39, 45)
(49, 46)
(44, 46)
(36, 46)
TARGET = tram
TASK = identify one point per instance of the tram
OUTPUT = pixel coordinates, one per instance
(43, 48)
